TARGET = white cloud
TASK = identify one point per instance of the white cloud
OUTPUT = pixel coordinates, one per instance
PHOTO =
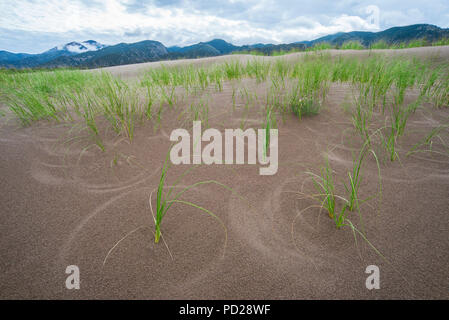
(402, 18)
(185, 22)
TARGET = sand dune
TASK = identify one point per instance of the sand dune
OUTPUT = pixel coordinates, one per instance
(63, 205)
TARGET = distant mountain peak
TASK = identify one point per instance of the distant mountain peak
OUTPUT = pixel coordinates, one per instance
(80, 47)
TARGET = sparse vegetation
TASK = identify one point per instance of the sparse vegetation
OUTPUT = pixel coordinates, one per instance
(321, 46)
(300, 86)
(352, 45)
(337, 204)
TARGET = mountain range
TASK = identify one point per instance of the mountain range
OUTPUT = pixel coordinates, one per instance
(25, 60)
(91, 54)
(393, 35)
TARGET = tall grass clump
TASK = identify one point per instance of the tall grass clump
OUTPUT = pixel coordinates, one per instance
(166, 196)
(437, 91)
(339, 206)
(404, 76)
(381, 44)
(200, 111)
(233, 70)
(282, 52)
(325, 187)
(352, 45)
(441, 42)
(119, 103)
(321, 46)
(34, 96)
(417, 43)
(281, 70)
(217, 76)
(251, 52)
(311, 87)
(84, 105)
(258, 69)
(411, 44)
(270, 122)
(355, 178)
(395, 129)
(361, 119)
(343, 69)
(372, 79)
(381, 85)
(70, 95)
(428, 141)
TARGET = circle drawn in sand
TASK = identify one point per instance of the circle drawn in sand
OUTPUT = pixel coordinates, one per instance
(279, 227)
(195, 240)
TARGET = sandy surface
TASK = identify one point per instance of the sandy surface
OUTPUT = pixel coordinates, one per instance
(62, 205)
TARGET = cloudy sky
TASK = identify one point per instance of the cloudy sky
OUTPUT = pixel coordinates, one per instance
(36, 25)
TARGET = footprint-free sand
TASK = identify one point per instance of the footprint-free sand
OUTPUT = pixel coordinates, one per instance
(62, 204)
